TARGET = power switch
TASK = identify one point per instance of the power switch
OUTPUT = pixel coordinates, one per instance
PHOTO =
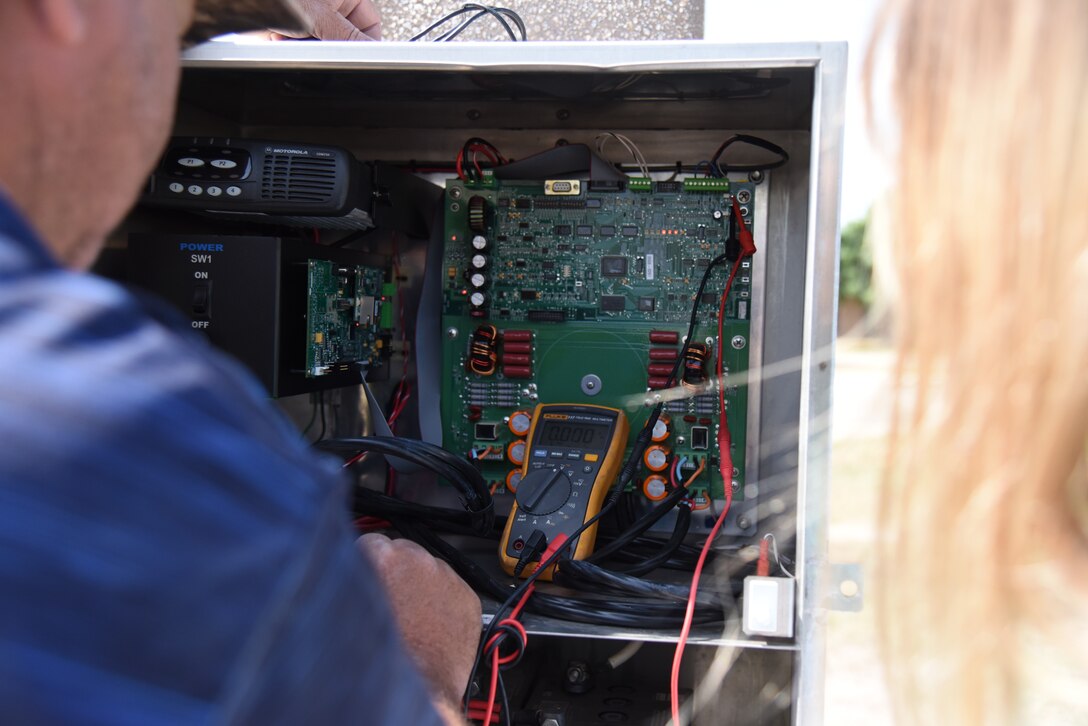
(202, 299)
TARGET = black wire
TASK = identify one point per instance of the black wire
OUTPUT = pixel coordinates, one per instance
(679, 532)
(475, 495)
(313, 416)
(451, 34)
(500, 14)
(321, 398)
(636, 612)
(506, 716)
(643, 523)
(578, 573)
(465, 25)
(438, 23)
(756, 141)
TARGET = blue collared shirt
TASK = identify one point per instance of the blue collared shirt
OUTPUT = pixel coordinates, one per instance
(170, 552)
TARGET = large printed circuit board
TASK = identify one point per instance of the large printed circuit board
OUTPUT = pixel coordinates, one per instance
(343, 316)
(567, 292)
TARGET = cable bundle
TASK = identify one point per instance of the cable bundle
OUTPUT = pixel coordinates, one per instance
(479, 514)
(504, 16)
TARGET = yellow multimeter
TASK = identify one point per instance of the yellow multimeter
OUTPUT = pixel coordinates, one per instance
(573, 456)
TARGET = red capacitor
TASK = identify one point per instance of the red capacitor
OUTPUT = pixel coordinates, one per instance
(661, 382)
(517, 336)
(666, 337)
(689, 418)
(705, 421)
(660, 369)
(517, 371)
(516, 359)
(478, 313)
(475, 413)
(509, 347)
(663, 354)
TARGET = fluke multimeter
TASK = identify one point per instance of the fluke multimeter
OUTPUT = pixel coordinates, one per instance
(573, 456)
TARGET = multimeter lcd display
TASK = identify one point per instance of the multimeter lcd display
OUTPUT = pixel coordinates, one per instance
(588, 436)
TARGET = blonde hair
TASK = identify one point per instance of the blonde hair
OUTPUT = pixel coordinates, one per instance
(984, 508)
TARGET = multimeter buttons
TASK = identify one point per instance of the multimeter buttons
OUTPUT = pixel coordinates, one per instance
(656, 458)
(515, 452)
(543, 491)
(520, 421)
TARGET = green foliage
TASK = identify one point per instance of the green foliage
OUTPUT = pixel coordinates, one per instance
(855, 264)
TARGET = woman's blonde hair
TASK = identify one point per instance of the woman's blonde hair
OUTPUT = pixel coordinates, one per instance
(985, 503)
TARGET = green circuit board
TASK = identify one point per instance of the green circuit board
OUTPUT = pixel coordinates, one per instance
(343, 317)
(589, 291)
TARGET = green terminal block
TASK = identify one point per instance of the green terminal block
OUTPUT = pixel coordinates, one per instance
(640, 184)
(487, 182)
(706, 185)
(389, 292)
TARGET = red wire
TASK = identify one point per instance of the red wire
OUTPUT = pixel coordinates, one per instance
(725, 468)
(355, 459)
(763, 564)
(494, 688)
(512, 621)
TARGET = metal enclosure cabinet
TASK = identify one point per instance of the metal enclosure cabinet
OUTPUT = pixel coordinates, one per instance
(413, 103)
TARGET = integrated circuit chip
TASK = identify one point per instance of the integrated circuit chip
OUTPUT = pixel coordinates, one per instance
(613, 266)
(613, 303)
(647, 304)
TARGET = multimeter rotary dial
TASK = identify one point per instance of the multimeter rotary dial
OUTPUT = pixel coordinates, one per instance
(543, 491)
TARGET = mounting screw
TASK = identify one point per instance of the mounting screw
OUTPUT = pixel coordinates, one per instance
(735, 485)
(578, 677)
(455, 193)
(755, 176)
(591, 384)
(562, 114)
(718, 214)
(451, 333)
(473, 114)
(455, 207)
(742, 523)
(738, 342)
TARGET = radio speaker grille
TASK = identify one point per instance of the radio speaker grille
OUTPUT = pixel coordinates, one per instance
(291, 178)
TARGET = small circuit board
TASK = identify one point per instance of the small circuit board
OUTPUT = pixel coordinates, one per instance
(583, 296)
(343, 316)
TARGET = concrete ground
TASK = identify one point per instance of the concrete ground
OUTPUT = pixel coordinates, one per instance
(559, 19)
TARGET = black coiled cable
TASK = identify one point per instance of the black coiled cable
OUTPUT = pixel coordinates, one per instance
(475, 496)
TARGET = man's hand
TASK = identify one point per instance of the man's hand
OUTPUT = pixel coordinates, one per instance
(438, 614)
(339, 20)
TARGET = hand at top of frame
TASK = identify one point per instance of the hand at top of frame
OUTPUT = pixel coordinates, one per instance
(338, 20)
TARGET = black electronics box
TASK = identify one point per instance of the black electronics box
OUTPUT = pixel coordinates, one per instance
(249, 295)
(278, 179)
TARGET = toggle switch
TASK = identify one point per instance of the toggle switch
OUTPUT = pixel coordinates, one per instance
(202, 299)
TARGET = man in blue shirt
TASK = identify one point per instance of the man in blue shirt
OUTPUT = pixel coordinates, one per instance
(169, 551)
